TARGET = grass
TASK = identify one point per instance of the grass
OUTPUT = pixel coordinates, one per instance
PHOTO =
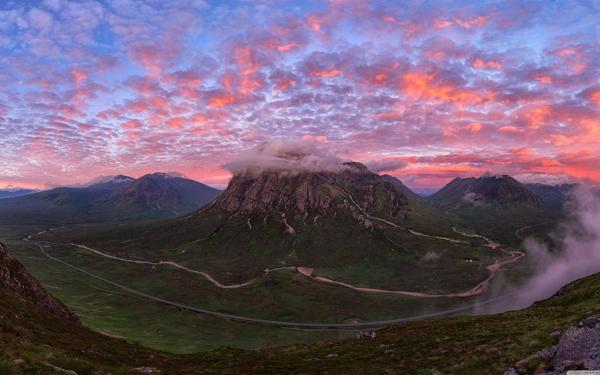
(487, 344)
(285, 295)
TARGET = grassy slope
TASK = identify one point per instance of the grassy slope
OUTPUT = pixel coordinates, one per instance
(460, 345)
(280, 296)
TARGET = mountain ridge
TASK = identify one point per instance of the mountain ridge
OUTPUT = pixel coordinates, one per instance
(118, 198)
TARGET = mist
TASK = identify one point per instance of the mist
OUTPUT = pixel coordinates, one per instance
(577, 255)
(286, 155)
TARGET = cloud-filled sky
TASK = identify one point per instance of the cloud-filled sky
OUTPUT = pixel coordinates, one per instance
(423, 90)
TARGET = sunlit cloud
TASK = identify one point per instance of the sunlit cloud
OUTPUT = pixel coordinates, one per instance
(424, 92)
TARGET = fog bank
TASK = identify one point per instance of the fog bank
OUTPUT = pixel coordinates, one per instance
(288, 155)
(577, 256)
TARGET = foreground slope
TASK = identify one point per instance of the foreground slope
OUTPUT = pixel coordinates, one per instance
(116, 198)
(35, 340)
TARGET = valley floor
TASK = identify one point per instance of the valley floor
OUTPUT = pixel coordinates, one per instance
(31, 342)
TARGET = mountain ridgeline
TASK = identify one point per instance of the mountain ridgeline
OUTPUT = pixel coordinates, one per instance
(11, 193)
(117, 198)
(485, 190)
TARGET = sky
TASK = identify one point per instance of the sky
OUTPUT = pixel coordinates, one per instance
(423, 90)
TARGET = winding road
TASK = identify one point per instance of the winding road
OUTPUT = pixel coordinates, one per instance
(267, 322)
(308, 272)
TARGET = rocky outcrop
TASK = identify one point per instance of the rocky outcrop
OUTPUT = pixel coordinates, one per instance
(14, 278)
(308, 192)
(578, 348)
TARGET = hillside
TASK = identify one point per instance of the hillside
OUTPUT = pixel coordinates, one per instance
(15, 278)
(484, 191)
(497, 206)
(405, 190)
(116, 198)
(554, 195)
(35, 341)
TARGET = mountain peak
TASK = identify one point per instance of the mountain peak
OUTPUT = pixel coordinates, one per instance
(356, 166)
(117, 179)
(494, 175)
(311, 193)
(165, 175)
(487, 189)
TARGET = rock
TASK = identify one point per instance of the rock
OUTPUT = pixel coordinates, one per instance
(15, 278)
(298, 193)
(579, 347)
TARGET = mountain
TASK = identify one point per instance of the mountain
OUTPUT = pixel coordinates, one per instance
(485, 190)
(114, 198)
(11, 193)
(306, 195)
(161, 192)
(499, 207)
(554, 195)
(405, 190)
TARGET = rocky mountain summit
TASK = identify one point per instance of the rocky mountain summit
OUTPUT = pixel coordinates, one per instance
(308, 194)
(14, 278)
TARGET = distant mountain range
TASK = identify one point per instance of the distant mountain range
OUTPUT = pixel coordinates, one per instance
(485, 190)
(17, 192)
(116, 198)
(555, 195)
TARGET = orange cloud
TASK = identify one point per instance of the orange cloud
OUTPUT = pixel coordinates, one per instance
(423, 86)
(79, 75)
(468, 24)
(574, 58)
(510, 129)
(132, 124)
(595, 97)
(442, 24)
(176, 122)
(221, 101)
(315, 22)
(475, 127)
(248, 64)
(490, 64)
(326, 73)
(380, 78)
(544, 79)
